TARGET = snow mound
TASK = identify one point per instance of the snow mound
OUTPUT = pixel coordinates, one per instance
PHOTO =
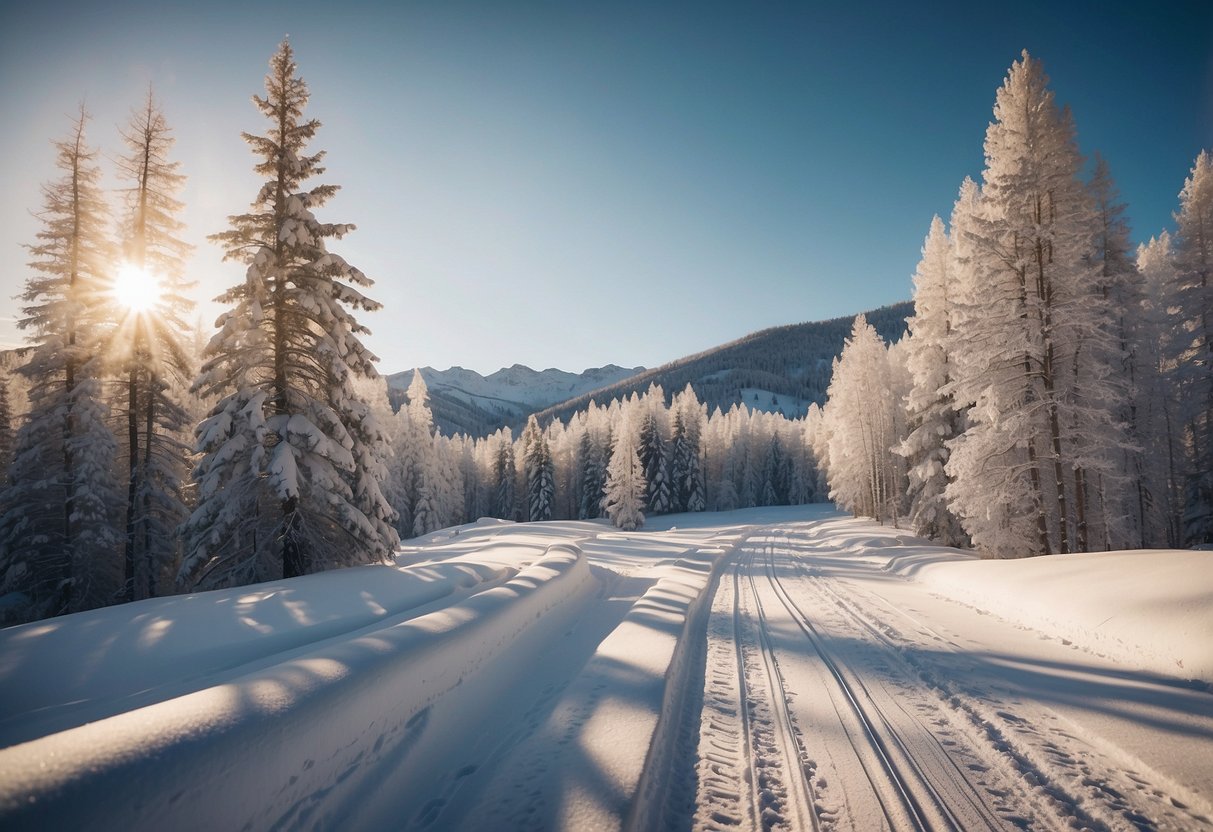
(304, 740)
(1150, 608)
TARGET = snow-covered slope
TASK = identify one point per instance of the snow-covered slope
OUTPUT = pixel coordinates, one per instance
(790, 364)
(563, 674)
(464, 401)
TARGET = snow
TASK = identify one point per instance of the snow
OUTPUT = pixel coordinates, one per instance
(564, 674)
(1148, 607)
(517, 386)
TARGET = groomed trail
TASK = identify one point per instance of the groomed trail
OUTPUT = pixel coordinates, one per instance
(840, 696)
(785, 668)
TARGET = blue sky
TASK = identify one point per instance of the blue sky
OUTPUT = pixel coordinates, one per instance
(571, 184)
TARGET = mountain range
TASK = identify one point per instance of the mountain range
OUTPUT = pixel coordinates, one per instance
(783, 368)
(464, 401)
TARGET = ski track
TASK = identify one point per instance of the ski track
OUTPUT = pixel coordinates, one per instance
(827, 707)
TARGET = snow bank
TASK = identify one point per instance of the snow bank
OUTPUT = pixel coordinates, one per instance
(302, 741)
(1150, 608)
(634, 690)
(67, 671)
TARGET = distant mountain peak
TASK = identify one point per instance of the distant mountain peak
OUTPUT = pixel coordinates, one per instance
(784, 368)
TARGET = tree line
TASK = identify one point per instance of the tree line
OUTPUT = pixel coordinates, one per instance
(633, 457)
(1055, 390)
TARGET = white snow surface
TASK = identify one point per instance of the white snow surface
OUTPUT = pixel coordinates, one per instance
(568, 675)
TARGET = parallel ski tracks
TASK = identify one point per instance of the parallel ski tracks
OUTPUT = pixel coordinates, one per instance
(798, 785)
(916, 802)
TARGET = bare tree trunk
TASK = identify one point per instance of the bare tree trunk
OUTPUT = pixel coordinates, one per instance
(132, 485)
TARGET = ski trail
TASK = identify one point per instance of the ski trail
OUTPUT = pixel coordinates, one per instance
(1062, 767)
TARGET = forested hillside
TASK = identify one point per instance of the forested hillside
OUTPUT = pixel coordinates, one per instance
(785, 361)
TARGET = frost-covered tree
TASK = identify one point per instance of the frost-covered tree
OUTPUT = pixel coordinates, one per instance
(280, 488)
(1157, 405)
(505, 503)
(415, 458)
(1042, 430)
(1122, 514)
(934, 419)
(861, 417)
(685, 471)
(1192, 316)
(150, 352)
(654, 463)
(593, 477)
(626, 489)
(57, 533)
(539, 472)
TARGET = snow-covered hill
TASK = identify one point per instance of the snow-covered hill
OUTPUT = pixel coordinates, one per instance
(463, 401)
(776, 668)
(781, 369)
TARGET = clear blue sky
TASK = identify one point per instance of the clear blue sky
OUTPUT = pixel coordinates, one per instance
(571, 184)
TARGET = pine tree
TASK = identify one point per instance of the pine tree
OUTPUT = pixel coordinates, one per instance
(540, 475)
(624, 497)
(148, 349)
(656, 469)
(774, 475)
(862, 423)
(280, 486)
(685, 472)
(6, 422)
(505, 503)
(1192, 293)
(1123, 513)
(933, 417)
(1042, 429)
(1158, 405)
(590, 486)
(57, 537)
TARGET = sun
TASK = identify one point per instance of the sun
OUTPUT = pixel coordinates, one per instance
(137, 289)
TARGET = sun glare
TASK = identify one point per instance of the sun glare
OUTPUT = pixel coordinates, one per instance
(136, 288)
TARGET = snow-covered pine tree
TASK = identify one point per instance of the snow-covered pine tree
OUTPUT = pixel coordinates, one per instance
(154, 362)
(414, 457)
(58, 538)
(505, 504)
(1122, 513)
(1034, 339)
(933, 417)
(1192, 294)
(654, 463)
(626, 489)
(537, 462)
(593, 477)
(280, 491)
(1157, 403)
(774, 475)
(427, 516)
(861, 418)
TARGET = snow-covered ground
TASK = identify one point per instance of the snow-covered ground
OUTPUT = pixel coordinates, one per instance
(776, 668)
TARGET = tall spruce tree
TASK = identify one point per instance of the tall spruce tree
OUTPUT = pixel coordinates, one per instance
(539, 472)
(1043, 429)
(282, 487)
(58, 542)
(624, 495)
(933, 417)
(1158, 408)
(1192, 316)
(656, 468)
(151, 354)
